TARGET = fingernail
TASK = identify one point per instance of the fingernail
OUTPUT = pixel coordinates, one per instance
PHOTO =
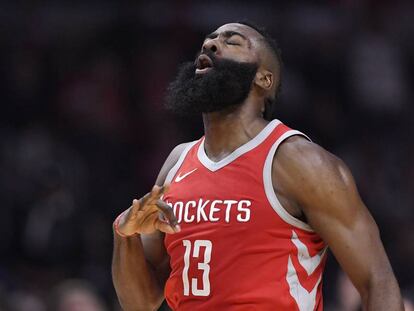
(177, 228)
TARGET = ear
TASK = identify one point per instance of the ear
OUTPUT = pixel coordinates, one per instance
(264, 79)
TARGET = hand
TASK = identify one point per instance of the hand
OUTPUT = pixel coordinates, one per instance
(149, 214)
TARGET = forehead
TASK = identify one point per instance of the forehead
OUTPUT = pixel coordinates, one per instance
(245, 30)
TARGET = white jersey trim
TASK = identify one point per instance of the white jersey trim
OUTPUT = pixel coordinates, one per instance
(180, 161)
(251, 144)
(268, 185)
(304, 299)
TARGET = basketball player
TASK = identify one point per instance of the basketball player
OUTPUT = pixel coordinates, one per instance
(241, 219)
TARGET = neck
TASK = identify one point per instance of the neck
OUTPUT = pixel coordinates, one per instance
(225, 131)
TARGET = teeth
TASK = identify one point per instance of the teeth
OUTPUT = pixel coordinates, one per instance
(202, 70)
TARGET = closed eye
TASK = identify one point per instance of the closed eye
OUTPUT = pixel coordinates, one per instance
(232, 43)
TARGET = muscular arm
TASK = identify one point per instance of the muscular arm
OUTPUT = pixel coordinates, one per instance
(140, 263)
(325, 190)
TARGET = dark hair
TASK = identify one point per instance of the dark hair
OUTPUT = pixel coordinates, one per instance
(276, 52)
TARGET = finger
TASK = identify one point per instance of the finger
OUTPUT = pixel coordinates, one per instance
(161, 190)
(164, 227)
(164, 190)
(168, 213)
(135, 204)
(150, 198)
(134, 209)
(155, 194)
(140, 204)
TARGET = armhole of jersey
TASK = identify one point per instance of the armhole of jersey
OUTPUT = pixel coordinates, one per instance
(180, 161)
(268, 184)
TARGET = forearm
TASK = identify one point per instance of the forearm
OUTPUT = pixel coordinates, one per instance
(133, 277)
(383, 295)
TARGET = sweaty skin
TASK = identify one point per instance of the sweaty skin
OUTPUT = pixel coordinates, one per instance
(311, 183)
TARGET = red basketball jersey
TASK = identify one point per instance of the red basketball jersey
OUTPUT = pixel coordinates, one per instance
(238, 248)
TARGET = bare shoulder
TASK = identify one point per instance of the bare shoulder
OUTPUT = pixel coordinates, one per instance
(170, 162)
(308, 171)
(300, 154)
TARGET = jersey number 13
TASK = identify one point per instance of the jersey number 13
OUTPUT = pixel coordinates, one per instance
(194, 251)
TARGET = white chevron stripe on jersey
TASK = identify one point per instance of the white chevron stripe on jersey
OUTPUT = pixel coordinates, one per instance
(306, 261)
(305, 300)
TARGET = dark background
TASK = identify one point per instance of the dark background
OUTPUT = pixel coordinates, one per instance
(83, 130)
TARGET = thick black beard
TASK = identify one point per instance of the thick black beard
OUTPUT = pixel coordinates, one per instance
(226, 85)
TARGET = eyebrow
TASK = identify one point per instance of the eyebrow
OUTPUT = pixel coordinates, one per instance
(226, 34)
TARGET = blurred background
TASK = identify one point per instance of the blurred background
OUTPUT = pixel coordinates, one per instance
(83, 130)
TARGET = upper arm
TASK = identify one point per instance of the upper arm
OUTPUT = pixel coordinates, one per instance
(324, 188)
(153, 244)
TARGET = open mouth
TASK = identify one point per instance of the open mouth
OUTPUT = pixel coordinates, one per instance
(203, 64)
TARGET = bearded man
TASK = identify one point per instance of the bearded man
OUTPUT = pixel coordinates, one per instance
(241, 219)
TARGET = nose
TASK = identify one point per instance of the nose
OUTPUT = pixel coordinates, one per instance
(210, 45)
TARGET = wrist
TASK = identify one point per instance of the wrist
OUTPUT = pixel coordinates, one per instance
(116, 224)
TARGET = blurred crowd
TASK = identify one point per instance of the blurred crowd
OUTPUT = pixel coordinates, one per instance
(83, 130)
